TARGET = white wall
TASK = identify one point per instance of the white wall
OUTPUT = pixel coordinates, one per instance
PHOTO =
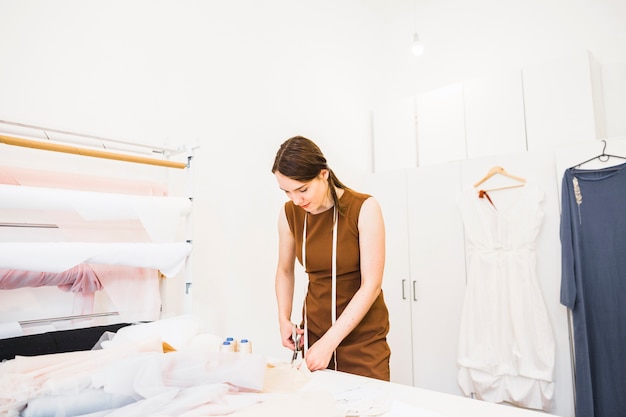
(470, 39)
(546, 42)
(234, 77)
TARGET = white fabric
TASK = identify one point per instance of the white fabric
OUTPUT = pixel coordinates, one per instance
(178, 331)
(131, 376)
(121, 285)
(75, 404)
(10, 329)
(29, 377)
(168, 258)
(159, 215)
(506, 343)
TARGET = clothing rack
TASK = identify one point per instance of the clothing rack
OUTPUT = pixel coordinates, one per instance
(602, 157)
(27, 143)
(57, 140)
(64, 136)
(33, 225)
(64, 318)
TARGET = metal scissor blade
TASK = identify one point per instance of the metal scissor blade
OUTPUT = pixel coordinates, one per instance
(296, 343)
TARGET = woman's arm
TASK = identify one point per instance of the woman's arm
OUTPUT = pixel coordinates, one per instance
(372, 253)
(284, 283)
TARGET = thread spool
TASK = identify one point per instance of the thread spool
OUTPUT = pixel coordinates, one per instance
(226, 346)
(245, 346)
(233, 342)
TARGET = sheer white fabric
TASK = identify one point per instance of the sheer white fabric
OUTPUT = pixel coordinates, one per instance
(159, 215)
(133, 377)
(169, 258)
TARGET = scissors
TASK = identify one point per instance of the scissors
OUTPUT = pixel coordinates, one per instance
(296, 340)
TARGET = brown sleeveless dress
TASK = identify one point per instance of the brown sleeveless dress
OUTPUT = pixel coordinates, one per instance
(365, 350)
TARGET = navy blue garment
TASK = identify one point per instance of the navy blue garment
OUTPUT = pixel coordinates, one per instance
(593, 285)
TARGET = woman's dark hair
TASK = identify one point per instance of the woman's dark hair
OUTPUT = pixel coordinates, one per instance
(302, 160)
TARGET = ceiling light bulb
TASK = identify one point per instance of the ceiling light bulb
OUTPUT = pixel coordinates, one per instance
(418, 48)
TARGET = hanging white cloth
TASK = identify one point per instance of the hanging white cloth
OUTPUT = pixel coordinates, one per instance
(506, 343)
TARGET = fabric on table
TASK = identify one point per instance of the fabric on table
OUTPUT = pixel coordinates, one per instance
(69, 405)
(27, 377)
(189, 382)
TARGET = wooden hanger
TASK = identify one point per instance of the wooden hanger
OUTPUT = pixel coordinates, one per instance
(603, 157)
(498, 170)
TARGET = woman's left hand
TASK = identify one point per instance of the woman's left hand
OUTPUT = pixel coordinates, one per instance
(318, 356)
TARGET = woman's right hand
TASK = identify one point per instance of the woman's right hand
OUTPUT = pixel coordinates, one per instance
(286, 334)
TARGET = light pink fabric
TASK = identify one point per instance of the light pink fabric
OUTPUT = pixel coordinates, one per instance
(24, 378)
(189, 382)
(39, 178)
(134, 292)
(121, 284)
(81, 278)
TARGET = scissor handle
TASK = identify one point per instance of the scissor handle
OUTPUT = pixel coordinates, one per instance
(296, 338)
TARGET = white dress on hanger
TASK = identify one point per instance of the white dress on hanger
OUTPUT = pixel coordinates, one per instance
(506, 343)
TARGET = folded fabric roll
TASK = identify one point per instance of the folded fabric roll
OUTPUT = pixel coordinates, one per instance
(168, 258)
(159, 215)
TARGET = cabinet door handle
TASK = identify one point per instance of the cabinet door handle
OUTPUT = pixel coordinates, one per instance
(414, 291)
(403, 295)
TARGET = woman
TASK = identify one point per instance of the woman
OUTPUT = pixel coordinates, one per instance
(347, 326)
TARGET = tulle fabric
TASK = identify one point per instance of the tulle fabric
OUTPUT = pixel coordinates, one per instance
(25, 378)
(79, 278)
(133, 377)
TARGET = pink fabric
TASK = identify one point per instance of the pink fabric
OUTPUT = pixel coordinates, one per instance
(81, 278)
(122, 285)
(133, 291)
(37, 178)
(27, 377)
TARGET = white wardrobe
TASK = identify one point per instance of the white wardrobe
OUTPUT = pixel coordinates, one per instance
(430, 147)
(425, 272)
